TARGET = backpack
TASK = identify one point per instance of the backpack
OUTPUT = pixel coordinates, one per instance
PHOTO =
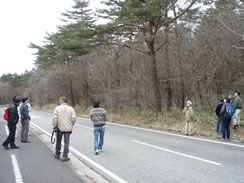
(5, 116)
(229, 110)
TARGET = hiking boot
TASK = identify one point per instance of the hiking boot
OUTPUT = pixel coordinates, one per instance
(65, 159)
(6, 147)
(57, 156)
(96, 152)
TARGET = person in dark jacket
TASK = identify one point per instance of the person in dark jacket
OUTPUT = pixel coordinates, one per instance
(25, 118)
(217, 111)
(226, 120)
(13, 118)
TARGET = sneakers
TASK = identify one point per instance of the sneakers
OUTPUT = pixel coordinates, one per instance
(100, 150)
(65, 159)
(96, 152)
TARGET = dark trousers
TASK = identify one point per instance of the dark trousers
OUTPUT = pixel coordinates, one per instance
(66, 143)
(218, 123)
(11, 137)
(225, 127)
(24, 130)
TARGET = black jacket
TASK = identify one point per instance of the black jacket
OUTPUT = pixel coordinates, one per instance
(218, 109)
(13, 116)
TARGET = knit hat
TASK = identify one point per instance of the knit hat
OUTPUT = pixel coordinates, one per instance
(188, 103)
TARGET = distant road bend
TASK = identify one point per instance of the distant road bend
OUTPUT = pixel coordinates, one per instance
(133, 154)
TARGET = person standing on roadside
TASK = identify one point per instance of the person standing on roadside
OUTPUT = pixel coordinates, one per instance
(25, 119)
(188, 112)
(64, 118)
(226, 112)
(237, 105)
(13, 119)
(217, 111)
(98, 117)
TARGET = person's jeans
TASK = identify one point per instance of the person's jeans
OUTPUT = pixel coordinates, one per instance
(99, 132)
(225, 127)
(66, 143)
(218, 123)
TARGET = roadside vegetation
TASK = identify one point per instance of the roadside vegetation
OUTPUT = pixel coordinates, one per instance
(143, 62)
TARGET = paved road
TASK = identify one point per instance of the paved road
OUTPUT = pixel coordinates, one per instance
(140, 155)
(32, 163)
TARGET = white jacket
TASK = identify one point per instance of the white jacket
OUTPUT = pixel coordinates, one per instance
(64, 118)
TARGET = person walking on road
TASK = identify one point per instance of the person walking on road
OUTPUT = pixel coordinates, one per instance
(188, 112)
(13, 119)
(217, 111)
(237, 105)
(226, 112)
(64, 118)
(25, 119)
(98, 117)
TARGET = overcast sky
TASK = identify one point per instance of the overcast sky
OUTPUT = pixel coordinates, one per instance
(25, 21)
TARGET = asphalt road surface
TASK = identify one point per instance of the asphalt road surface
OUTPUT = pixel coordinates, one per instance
(143, 155)
(32, 163)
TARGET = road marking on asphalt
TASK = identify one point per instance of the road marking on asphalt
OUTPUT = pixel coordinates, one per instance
(17, 173)
(84, 126)
(7, 130)
(181, 154)
(166, 133)
(177, 135)
(106, 171)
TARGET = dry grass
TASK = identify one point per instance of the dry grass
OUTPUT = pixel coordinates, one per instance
(204, 124)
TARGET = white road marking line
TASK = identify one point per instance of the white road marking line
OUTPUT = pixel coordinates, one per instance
(7, 130)
(106, 171)
(166, 133)
(17, 173)
(181, 154)
(84, 126)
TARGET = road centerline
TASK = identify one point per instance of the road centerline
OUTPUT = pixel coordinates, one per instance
(178, 153)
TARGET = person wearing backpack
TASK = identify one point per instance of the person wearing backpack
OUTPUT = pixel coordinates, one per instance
(226, 112)
(188, 112)
(13, 118)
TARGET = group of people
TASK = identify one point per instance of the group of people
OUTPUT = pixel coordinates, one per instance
(64, 118)
(225, 118)
(13, 118)
(224, 115)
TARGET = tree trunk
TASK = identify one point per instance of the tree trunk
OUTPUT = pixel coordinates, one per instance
(156, 90)
(181, 77)
(168, 82)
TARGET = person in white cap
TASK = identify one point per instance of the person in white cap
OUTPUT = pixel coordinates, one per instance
(188, 112)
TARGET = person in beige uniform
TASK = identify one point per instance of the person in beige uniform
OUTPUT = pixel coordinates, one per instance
(188, 112)
(64, 118)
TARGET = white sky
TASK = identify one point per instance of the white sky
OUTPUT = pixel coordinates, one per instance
(25, 21)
